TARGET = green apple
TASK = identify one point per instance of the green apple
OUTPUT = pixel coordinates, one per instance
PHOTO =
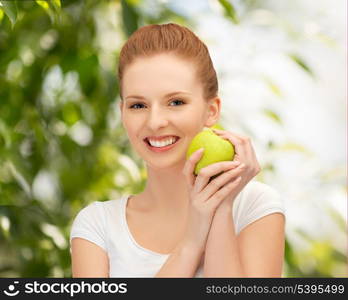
(216, 149)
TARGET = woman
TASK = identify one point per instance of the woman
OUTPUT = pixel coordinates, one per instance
(181, 225)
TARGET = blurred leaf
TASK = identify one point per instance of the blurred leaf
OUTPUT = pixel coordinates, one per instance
(272, 115)
(134, 2)
(88, 69)
(129, 16)
(5, 136)
(71, 113)
(300, 62)
(291, 146)
(338, 256)
(329, 41)
(340, 221)
(291, 261)
(10, 9)
(272, 86)
(268, 167)
(20, 177)
(55, 4)
(52, 8)
(1, 13)
(43, 4)
(230, 12)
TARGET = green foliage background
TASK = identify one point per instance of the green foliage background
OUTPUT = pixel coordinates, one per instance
(38, 38)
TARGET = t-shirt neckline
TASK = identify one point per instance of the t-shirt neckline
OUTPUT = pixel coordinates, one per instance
(128, 232)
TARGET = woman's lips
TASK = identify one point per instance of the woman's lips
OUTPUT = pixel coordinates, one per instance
(160, 138)
(160, 149)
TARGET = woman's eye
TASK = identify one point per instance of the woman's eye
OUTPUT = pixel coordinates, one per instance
(141, 105)
(133, 106)
(177, 102)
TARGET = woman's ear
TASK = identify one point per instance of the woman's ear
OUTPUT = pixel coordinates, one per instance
(213, 111)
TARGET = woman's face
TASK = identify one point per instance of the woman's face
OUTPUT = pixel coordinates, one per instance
(162, 97)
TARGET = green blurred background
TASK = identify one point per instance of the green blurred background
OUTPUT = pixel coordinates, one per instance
(61, 142)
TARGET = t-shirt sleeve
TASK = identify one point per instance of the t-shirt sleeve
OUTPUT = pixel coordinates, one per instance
(259, 201)
(89, 224)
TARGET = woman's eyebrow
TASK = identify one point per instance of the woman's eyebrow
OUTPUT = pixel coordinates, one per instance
(165, 96)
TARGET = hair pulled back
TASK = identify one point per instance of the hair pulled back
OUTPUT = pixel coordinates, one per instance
(172, 38)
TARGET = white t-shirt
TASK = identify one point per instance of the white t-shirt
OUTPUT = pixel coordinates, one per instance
(104, 223)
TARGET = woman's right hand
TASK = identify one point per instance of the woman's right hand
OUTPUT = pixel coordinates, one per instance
(205, 196)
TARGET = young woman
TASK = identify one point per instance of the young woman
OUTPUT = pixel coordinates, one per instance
(181, 225)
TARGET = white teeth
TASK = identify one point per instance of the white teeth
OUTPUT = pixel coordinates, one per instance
(163, 143)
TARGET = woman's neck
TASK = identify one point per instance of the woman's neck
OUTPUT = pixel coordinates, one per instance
(166, 191)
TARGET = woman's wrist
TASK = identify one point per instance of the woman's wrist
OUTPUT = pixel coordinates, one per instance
(189, 250)
(225, 208)
(183, 261)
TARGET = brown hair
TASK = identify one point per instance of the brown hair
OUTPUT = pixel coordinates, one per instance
(170, 38)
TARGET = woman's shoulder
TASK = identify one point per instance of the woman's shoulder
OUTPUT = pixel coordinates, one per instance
(256, 189)
(96, 208)
(256, 200)
(91, 222)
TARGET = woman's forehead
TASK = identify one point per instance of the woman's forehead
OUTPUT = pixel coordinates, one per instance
(161, 64)
(164, 73)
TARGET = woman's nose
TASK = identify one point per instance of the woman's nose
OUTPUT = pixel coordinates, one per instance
(157, 119)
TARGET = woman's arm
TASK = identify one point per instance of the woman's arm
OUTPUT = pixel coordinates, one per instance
(258, 251)
(88, 259)
(222, 257)
(261, 246)
(183, 262)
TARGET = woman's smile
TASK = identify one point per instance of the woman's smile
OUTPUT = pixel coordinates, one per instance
(163, 145)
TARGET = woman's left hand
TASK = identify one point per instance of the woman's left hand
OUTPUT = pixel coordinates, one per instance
(244, 153)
